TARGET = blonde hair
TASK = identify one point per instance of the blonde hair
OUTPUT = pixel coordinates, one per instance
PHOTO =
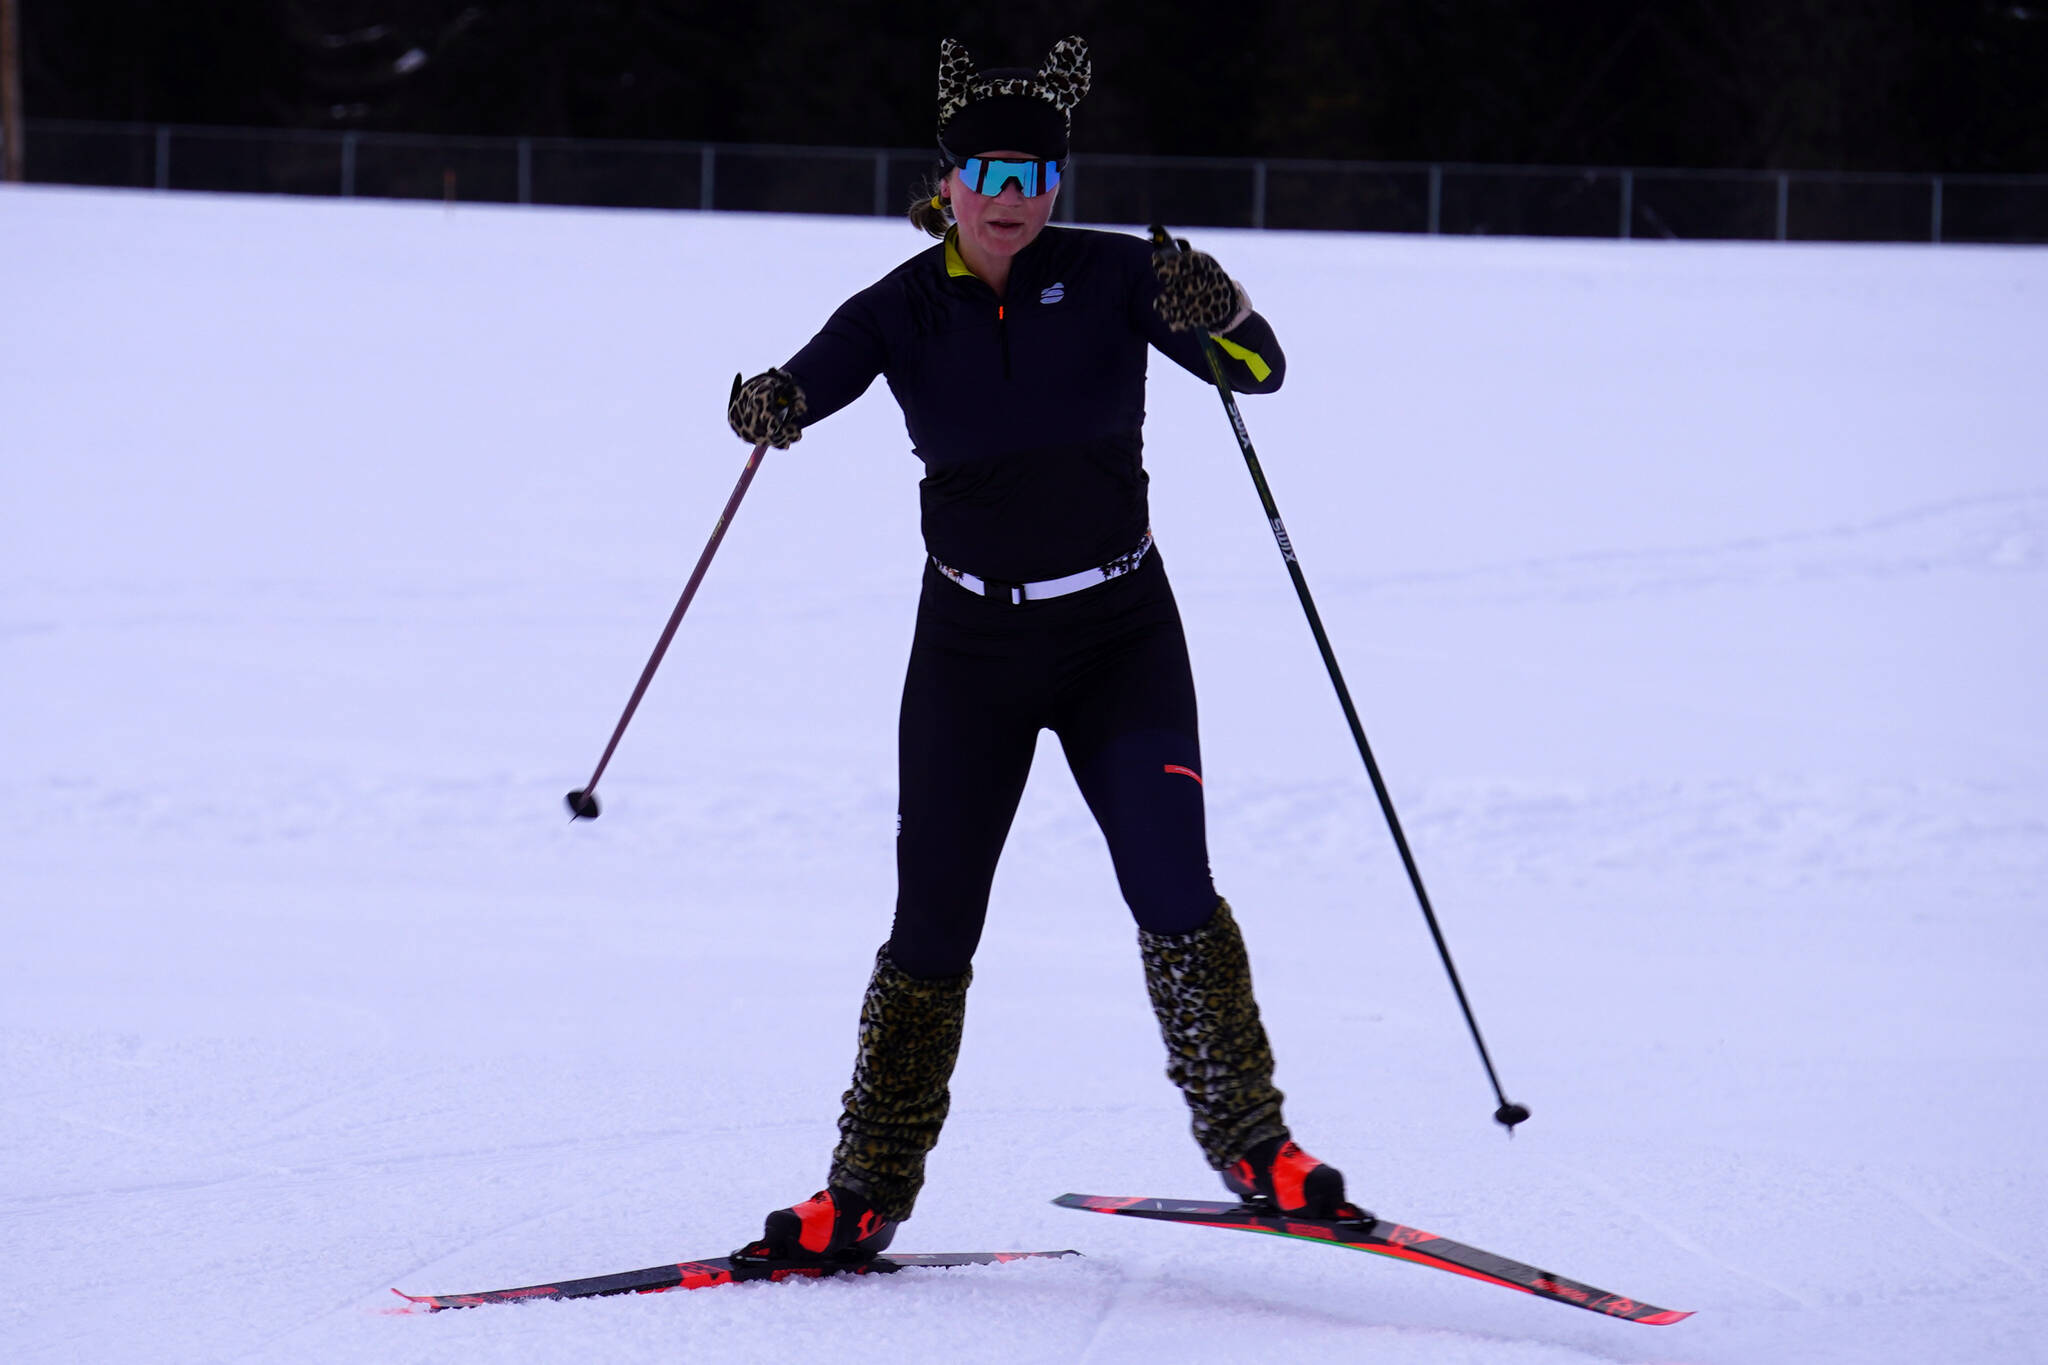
(928, 208)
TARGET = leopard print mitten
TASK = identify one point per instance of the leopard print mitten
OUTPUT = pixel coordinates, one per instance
(1216, 1049)
(1194, 292)
(767, 408)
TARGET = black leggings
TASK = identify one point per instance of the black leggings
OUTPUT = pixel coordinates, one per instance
(1105, 669)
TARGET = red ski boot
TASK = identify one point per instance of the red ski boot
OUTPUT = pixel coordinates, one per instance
(832, 1227)
(1278, 1173)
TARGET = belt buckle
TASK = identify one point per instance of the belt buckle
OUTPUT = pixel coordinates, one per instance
(1009, 594)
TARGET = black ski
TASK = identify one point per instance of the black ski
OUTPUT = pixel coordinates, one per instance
(659, 1279)
(1367, 1233)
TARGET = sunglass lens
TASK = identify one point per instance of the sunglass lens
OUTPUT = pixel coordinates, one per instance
(992, 175)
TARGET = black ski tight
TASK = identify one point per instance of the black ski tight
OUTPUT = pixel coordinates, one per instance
(1105, 669)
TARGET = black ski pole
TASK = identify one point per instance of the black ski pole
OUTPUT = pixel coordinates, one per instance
(1509, 1114)
(583, 801)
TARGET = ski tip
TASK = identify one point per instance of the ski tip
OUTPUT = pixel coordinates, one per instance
(1665, 1318)
(1095, 1203)
(1102, 1203)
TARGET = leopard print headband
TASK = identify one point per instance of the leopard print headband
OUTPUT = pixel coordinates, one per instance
(1061, 82)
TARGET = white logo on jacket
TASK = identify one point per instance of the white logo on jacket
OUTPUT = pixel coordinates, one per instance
(1053, 293)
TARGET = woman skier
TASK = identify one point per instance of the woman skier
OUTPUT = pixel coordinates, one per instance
(1017, 352)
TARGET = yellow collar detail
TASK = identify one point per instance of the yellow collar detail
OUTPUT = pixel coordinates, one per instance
(955, 265)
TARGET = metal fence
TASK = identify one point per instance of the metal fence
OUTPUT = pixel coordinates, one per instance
(1267, 192)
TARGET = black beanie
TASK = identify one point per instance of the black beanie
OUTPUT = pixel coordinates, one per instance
(1010, 108)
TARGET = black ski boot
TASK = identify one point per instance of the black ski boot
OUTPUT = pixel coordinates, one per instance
(832, 1227)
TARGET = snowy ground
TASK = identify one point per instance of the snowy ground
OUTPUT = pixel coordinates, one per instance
(1694, 597)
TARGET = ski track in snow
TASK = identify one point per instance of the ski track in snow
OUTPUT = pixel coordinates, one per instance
(1908, 1201)
(2005, 534)
(1680, 1238)
(1692, 595)
(1089, 1347)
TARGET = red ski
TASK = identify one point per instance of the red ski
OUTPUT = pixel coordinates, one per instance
(1367, 1233)
(659, 1279)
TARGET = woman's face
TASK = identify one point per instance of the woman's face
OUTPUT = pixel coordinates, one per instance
(1002, 224)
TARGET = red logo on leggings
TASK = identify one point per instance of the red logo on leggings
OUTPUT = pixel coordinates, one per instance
(1185, 772)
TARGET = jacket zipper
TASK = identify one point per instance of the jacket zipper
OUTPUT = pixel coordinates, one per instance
(1003, 336)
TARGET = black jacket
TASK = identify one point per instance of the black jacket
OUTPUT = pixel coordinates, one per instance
(1028, 411)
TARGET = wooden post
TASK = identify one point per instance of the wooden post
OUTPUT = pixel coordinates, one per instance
(10, 91)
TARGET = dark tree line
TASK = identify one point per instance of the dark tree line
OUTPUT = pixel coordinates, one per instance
(1923, 85)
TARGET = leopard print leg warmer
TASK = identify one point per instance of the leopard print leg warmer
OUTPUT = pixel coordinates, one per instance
(1216, 1049)
(909, 1040)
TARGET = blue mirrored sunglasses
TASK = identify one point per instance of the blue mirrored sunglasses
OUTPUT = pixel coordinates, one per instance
(990, 174)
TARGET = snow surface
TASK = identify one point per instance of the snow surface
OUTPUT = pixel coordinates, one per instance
(1693, 595)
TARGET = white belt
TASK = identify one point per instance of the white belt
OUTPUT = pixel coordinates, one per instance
(1018, 593)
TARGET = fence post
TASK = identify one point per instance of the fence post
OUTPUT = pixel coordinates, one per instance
(881, 182)
(526, 170)
(13, 162)
(1436, 198)
(1937, 211)
(348, 165)
(707, 170)
(163, 156)
(1259, 193)
(1784, 195)
(1628, 204)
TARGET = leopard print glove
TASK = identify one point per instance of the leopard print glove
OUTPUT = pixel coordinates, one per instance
(1194, 292)
(767, 408)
